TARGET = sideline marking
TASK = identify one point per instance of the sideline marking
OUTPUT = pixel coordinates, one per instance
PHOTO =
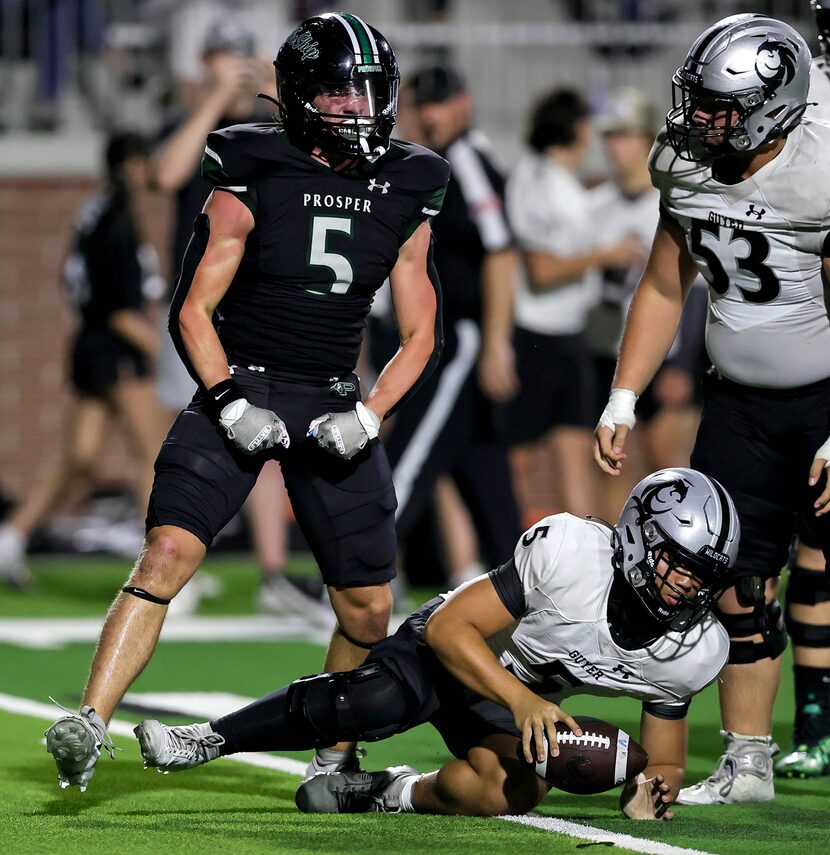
(35, 709)
(50, 633)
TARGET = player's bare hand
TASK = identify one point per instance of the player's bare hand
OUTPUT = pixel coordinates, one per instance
(234, 75)
(628, 251)
(614, 425)
(646, 798)
(536, 719)
(497, 372)
(820, 464)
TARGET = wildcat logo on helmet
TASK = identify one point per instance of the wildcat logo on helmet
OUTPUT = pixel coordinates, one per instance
(661, 498)
(775, 63)
(302, 41)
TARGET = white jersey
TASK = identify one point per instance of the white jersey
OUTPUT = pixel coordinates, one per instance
(819, 96)
(759, 244)
(550, 211)
(562, 645)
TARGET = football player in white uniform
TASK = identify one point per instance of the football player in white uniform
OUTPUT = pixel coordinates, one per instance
(807, 613)
(582, 607)
(745, 198)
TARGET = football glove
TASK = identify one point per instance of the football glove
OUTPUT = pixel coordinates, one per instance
(253, 429)
(344, 434)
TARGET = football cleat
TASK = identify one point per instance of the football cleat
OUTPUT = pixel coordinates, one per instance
(805, 761)
(173, 749)
(743, 774)
(360, 792)
(75, 741)
(332, 760)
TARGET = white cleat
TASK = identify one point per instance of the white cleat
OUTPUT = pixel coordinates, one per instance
(173, 749)
(75, 741)
(743, 774)
(13, 568)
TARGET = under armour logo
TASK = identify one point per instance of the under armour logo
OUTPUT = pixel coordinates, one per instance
(752, 212)
(625, 674)
(384, 188)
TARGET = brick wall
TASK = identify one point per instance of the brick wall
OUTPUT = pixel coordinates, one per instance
(36, 323)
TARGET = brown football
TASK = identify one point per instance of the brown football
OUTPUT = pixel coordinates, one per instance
(602, 758)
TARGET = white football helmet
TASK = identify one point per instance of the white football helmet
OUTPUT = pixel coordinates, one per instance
(744, 83)
(691, 520)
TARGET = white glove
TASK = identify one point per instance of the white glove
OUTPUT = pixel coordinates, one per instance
(619, 410)
(344, 434)
(824, 452)
(253, 429)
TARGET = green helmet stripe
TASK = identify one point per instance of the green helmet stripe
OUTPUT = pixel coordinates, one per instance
(364, 37)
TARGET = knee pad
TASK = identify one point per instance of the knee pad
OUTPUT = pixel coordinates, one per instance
(767, 621)
(807, 588)
(366, 704)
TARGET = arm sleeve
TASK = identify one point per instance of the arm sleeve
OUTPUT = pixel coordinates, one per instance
(668, 710)
(508, 586)
(537, 552)
(227, 166)
(431, 199)
(483, 190)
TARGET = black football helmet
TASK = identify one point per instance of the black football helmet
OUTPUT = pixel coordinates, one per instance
(338, 55)
(821, 9)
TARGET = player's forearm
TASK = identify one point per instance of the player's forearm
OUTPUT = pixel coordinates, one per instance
(135, 329)
(401, 372)
(497, 293)
(464, 653)
(179, 158)
(202, 345)
(649, 332)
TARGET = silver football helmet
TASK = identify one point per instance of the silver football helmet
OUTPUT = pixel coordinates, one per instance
(688, 519)
(744, 83)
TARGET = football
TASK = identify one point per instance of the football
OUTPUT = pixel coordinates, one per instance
(602, 758)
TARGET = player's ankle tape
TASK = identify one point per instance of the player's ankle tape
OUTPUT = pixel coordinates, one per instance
(145, 595)
(219, 396)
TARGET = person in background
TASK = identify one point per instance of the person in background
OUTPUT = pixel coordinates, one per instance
(626, 205)
(551, 215)
(457, 429)
(109, 273)
(226, 96)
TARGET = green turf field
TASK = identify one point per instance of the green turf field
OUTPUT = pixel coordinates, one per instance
(238, 808)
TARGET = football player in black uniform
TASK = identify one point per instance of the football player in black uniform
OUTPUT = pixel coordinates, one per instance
(309, 217)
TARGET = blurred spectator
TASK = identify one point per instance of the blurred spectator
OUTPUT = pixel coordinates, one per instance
(108, 273)
(195, 23)
(455, 425)
(552, 417)
(232, 76)
(627, 207)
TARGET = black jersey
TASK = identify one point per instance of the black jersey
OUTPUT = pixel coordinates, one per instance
(108, 269)
(322, 244)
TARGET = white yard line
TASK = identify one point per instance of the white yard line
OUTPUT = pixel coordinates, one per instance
(35, 709)
(599, 835)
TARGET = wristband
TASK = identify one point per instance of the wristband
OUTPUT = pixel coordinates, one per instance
(219, 396)
(619, 410)
(824, 452)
